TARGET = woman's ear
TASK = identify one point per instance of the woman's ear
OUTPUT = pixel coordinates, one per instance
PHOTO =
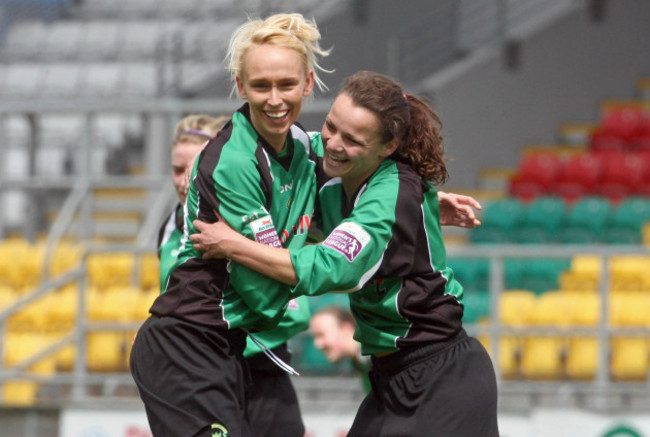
(240, 88)
(309, 84)
(389, 148)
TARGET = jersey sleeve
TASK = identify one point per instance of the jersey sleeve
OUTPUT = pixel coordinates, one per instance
(354, 250)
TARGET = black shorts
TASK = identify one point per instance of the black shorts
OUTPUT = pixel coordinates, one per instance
(273, 409)
(438, 389)
(192, 378)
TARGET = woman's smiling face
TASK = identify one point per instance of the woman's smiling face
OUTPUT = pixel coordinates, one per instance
(353, 145)
(274, 82)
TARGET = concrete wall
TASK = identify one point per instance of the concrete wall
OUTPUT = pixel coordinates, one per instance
(489, 111)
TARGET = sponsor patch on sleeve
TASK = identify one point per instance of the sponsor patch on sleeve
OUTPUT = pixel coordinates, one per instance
(349, 239)
(264, 231)
(293, 304)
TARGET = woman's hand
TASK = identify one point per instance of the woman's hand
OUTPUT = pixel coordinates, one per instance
(458, 210)
(214, 239)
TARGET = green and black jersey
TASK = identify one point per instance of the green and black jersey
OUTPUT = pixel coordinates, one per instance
(294, 320)
(265, 196)
(384, 246)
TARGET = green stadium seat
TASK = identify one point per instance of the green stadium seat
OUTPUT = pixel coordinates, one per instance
(476, 306)
(536, 274)
(499, 219)
(585, 221)
(472, 273)
(541, 220)
(627, 220)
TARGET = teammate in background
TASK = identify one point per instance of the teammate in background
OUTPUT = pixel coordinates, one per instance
(383, 151)
(271, 403)
(191, 134)
(259, 173)
(332, 329)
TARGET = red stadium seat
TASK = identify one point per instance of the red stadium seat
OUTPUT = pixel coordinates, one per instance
(623, 122)
(605, 141)
(621, 175)
(577, 177)
(640, 142)
(536, 173)
(643, 188)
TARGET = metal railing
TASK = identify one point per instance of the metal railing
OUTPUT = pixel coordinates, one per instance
(603, 384)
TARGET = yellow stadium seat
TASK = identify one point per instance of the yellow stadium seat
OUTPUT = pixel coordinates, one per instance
(629, 358)
(33, 316)
(119, 303)
(582, 358)
(542, 358)
(629, 309)
(150, 271)
(106, 351)
(21, 346)
(19, 393)
(549, 309)
(144, 302)
(7, 296)
(515, 307)
(509, 355)
(630, 272)
(65, 256)
(581, 309)
(110, 269)
(583, 274)
(62, 312)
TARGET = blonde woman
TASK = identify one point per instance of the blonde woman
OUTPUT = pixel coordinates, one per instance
(259, 174)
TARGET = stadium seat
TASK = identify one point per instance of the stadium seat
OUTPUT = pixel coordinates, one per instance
(577, 177)
(472, 273)
(7, 296)
(542, 358)
(62, 312)
(643, 189)
(541, 220)
(600, 141)
(627, 220)
(516, 306)
(582, 358)
(580, 308)
(149, 271)
(622, 174)
(509, 355)
(630, 272)
(110, 269)
(629, 309)
(19, 393)
(542, 274)
(499, 218)
(534, 176)
(583, 274)
(549, 309)
(622, 120)
(629, 360)
(106, 351)
(476, 306)
(585, 221)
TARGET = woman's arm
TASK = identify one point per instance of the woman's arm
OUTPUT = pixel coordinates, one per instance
(219, 240)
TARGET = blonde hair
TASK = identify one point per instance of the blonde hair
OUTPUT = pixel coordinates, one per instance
(283, 30)
(197, 129)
